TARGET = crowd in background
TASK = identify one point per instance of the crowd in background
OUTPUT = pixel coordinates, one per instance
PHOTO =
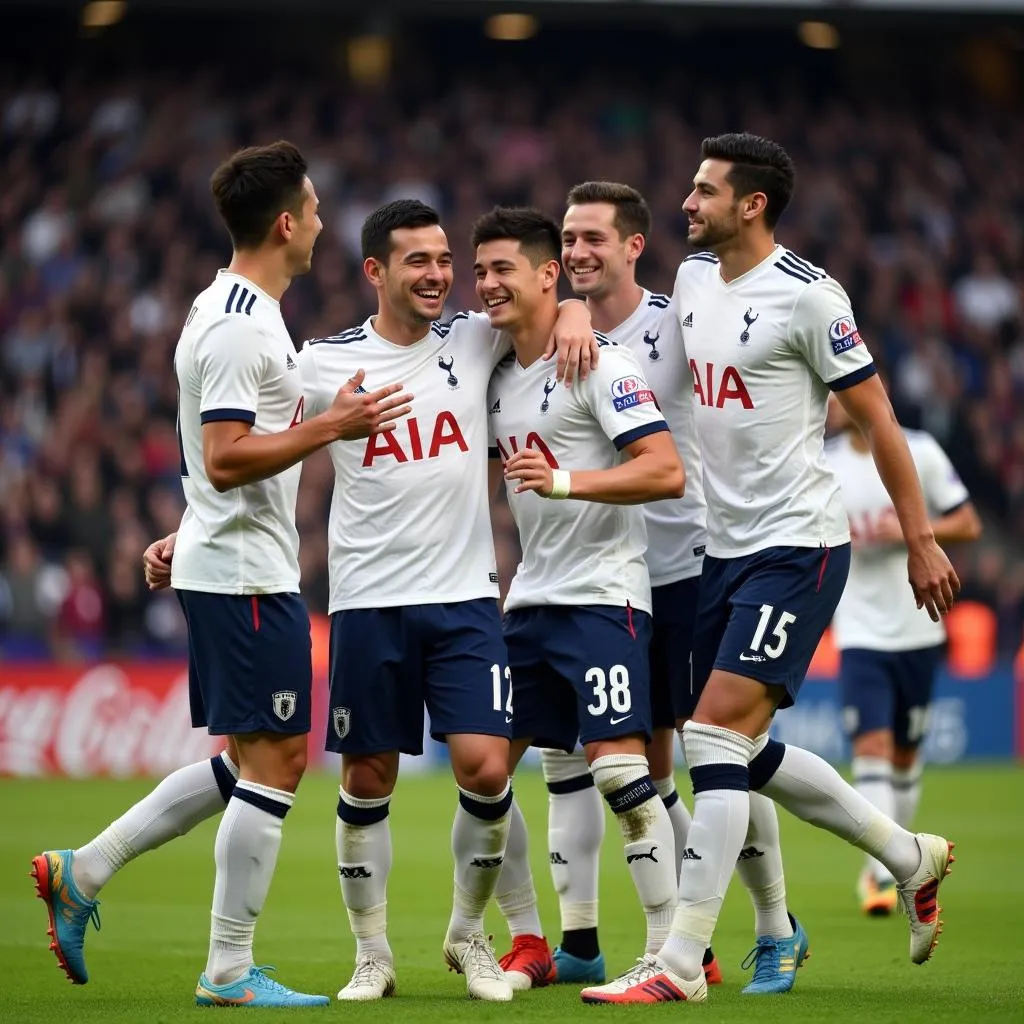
(108, 232)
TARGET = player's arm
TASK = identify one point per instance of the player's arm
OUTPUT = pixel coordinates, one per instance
(653, 470)
(826, 336)
(934, 582)
(495, 475)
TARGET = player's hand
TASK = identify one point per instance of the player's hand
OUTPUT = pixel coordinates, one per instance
(933, 579)
(887, 529)
(532, 471)
(156, 562)
(371, 412)
(573, 339)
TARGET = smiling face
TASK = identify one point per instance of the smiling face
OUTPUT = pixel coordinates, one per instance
(416, 280)
(596, 258)
(713, 209)
(510, 287)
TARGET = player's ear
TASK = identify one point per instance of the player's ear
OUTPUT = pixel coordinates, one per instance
(635, 245)
(753, 205)
(551, 270)
(374, 271)
(284, 226)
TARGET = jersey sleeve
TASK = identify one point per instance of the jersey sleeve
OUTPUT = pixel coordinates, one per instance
(475, 330)
(944, 491)
(620, 399)
(825, 334)
(316, 397)
(230, 362)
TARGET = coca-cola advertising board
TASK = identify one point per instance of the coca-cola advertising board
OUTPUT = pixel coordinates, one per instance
(103, 719)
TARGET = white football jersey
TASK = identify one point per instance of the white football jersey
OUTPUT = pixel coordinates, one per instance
(878, 611)
(409, 521)
(676, 527)
(575, 552)
(764, 350)
(235, 361)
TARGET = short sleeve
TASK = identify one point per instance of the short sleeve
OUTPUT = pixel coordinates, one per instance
(620, 399)
(944, 491)
(825, 334)
(230, 362)
(316, 397)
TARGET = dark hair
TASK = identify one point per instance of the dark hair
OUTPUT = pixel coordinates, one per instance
(758, 165)
(254, 186)
(401, 213)
(539, 237)
(632, 214)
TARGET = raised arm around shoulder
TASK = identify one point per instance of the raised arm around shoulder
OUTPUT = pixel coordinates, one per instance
(652, 471)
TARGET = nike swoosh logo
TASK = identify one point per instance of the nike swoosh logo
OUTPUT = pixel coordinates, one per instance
(220, 1000)
(508, 718)
(615, 721)
(751, 657)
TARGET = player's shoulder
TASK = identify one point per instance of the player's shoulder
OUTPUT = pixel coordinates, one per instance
(657, 301)
(921, 442)
(350, 336)
(696, 267)
(459, 324)
(795, 271)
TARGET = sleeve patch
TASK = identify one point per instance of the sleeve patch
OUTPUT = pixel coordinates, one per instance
(844, 335)
(629, 392)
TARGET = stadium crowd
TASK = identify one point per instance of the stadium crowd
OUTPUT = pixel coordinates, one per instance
(107, 233)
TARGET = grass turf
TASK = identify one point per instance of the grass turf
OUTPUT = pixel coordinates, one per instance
(145, 961)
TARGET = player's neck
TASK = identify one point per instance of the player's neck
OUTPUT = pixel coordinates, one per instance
(265, 273)
(609, 311)
(530, 336)
(858, 442)
(740, 255)
(396, 330)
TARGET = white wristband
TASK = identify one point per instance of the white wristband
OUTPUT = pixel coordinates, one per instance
(561, 483)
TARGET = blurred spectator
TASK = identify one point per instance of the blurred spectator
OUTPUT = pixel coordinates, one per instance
(107, 232)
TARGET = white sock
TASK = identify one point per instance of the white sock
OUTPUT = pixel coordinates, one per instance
(479, 835)
(182, 800)
(576, 826)
(906, 784)
(515, 893)
(718, 760)
(624, 780)
(245, 853)
(872, 778)
(814, 791)
(362, 839)
(760, 869)
(678, 814)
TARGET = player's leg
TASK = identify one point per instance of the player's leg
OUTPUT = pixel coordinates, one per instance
(604, 652)
(868, 690)
(913, 715)
(575, 830)
(375, 710)
(255, 673)
(469, 698)
(813, 790)
(71, 879)
(673, 699)
(545, 715)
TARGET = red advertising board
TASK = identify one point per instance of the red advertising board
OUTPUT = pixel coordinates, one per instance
(100, 719)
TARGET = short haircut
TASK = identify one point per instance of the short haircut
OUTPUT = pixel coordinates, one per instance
(254, 186)
(759, 165)
(376, 239)
(539, 237)
(632, 214)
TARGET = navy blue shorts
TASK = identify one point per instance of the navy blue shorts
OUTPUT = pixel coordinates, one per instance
(249, 663)
(387, 663)
(579, 673)
(762, 615)
(888, 690)
(672, 691)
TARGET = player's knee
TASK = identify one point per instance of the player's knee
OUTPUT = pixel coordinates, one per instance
(483, 771)
(877, 743)
(559, 767)
(369, 778)
(718, 758)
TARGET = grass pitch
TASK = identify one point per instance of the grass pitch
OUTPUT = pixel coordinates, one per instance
(145, 961)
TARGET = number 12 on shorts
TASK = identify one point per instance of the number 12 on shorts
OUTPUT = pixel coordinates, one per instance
(771, 650)
(496, 675)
